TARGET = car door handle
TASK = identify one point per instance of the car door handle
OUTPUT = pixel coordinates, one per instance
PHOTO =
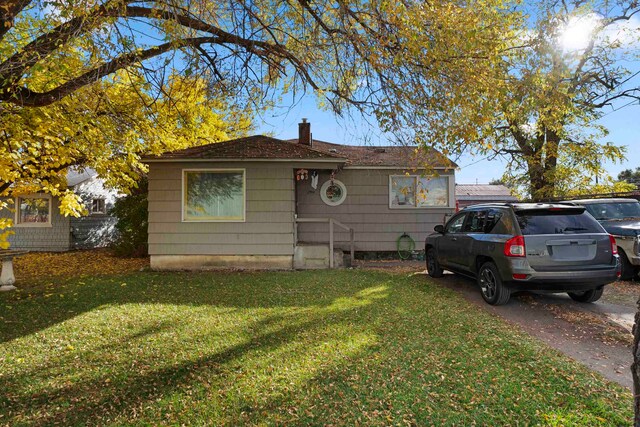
(454, 239)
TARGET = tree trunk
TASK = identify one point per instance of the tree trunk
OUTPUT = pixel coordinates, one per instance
(537, 179)
(541, 164)
(635, 368)
(551, 144)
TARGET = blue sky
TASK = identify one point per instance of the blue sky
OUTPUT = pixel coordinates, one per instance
(623, 124)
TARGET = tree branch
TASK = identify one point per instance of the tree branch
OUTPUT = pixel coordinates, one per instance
(8, 11)
(14, 68)
(27, 97)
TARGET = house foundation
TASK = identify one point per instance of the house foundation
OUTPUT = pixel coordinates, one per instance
(221, 262)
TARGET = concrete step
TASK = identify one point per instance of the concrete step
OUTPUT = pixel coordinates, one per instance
(316, 256)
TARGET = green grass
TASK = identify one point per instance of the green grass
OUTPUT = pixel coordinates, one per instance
(329, 347)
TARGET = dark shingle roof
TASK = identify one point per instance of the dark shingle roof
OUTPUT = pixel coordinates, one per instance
(265, 147)
(251, 147)
(395, 155)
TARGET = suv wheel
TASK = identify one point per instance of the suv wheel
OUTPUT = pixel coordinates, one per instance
(492, 288)
(591, 295)
(433, 266)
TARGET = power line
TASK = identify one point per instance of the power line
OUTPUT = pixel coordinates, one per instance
(476, 162)
(614, 110)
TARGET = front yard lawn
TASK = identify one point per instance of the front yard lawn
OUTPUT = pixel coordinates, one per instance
(321, 347)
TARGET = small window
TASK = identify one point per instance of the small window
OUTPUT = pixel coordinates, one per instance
(333, 192)
(498, 223)
(213, 195)
(33, 211)
(98, 206)
(403, 191)
(455, 224)
(476, 223)
(414, 191)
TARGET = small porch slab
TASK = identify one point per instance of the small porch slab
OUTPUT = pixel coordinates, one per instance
(310, 256)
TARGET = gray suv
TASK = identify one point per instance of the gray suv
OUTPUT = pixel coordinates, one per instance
(526, 246)
(621, 218)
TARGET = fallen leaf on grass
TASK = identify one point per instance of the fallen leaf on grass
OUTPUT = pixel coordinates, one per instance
(37, 268)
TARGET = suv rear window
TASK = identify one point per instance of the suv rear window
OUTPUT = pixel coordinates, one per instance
(614, 210)
(552, 222)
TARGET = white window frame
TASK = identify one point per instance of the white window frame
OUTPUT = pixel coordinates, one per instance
(104, 206)
(184, 194)
(450, 190)
(323, 191)
(17, 222)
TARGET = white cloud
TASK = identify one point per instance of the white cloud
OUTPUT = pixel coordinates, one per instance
(627, 33)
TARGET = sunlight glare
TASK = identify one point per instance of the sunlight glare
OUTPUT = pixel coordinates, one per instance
(578, 32)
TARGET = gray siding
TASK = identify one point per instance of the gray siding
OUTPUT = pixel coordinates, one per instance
(366, 210)
(55, 238)
(96, 229)
(268, 227)
(93, 231)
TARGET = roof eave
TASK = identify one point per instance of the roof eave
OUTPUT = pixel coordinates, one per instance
(288, 160)
(446, 168)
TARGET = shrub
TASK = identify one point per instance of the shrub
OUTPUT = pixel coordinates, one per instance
(131, 212)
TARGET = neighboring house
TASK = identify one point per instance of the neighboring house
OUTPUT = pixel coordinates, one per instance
(39, 226)
(472, 194)
(261, 202)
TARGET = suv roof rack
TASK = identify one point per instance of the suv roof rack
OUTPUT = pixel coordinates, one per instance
(524, 205)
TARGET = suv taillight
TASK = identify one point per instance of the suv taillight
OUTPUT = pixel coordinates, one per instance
(514, 247)
(614, 246)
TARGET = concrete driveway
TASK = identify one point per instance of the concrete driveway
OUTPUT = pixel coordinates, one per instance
(597, 335)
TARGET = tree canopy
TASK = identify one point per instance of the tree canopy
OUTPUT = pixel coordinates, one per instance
(631, 176)
(356, 52)
(544, 123)
(97, 83)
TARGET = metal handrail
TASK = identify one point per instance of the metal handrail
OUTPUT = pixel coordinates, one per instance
(332, 222)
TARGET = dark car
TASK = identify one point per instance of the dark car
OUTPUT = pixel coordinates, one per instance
(523, 247)
(621, 218)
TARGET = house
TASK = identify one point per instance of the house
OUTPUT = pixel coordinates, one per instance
(472, 194)
(39, 225)
(262, 202)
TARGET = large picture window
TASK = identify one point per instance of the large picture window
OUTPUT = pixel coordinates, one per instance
(33, 211)
(213, 195)
(414, 191)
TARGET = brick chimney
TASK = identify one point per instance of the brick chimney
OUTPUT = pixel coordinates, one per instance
(304, 133)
